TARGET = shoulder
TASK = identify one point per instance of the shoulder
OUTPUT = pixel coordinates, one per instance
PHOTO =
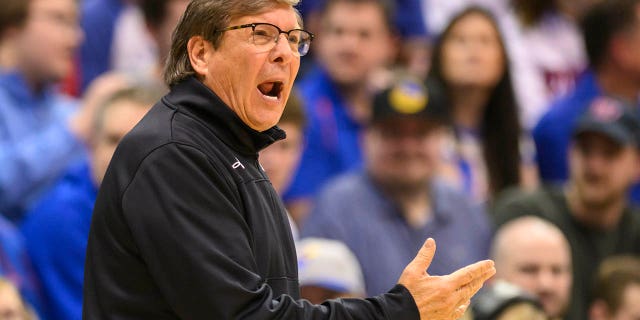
(515, 203)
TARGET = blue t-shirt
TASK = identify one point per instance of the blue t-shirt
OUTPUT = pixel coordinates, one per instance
(353, 210)
(332, 137)
(35, 143)
(56, 233)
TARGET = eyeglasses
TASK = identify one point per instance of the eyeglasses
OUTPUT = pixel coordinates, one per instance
(266, 35)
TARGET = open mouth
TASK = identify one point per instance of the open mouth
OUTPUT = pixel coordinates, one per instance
(271, 90)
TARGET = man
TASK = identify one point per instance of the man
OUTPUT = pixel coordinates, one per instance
(534, 255)
(186, 224)
(617, 290)
(56, 230)
(382, 213)
(611, 31)
(592, 209)
(39, 136)
(328, 270)
(355, 41)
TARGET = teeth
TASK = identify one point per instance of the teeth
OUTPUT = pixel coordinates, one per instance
(270, 97)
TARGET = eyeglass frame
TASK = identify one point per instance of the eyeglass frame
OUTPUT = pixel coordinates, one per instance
(277, 38)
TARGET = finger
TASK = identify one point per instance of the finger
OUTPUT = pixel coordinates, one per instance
(461, 309)
(466, 292)
(482, 269)
(425, 255)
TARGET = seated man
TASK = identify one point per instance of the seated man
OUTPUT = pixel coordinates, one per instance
(534, 255)
(592, 209)
(383, 213)
(328, 270)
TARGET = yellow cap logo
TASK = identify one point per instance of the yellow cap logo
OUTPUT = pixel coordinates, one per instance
(408, 97)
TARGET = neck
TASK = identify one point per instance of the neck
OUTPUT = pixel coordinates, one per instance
(415, 204)
(357, 101)
(618, 82)
(605, 216)
(468, 104)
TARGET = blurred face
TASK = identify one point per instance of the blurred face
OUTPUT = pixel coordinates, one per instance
(118, 120)
(402, 154)
(48, 41)
(11, 307)
(541, 267)
(601, 170)
(472, 55)
(630, 308)
(629, 56)
(254, 83)
(353, 42)
(162, 33)
(280, 159)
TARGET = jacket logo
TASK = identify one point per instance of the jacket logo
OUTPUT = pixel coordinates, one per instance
(237, 164)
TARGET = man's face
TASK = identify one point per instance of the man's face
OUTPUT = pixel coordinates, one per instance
(254, 83)
(354, 41)
(118, 119)
(541, 267)
(47, 43)
(402, 153)
(280, 159)
(630, 308)
(601, 170)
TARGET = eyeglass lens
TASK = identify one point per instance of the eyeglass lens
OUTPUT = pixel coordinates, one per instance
(268, 35)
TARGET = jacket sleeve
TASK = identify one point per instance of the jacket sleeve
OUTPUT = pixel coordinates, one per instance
(193, 237)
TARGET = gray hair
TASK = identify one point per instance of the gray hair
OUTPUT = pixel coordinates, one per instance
(203, 18)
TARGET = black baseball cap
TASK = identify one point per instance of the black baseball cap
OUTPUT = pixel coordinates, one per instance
(613, 118)
(409, 98)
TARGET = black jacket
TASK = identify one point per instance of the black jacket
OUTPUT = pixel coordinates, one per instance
(188, 226)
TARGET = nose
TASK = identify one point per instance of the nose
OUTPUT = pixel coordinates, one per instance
(281, 52)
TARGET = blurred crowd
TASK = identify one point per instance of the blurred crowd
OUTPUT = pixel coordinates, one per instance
(503, 129)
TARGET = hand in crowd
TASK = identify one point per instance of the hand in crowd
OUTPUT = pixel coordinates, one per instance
(443, 297)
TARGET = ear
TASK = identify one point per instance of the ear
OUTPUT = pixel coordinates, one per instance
(198, 49)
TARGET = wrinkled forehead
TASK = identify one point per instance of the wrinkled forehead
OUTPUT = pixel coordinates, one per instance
(265, 8)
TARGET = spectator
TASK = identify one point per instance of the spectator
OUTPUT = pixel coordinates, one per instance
(504, 301)
(126, 36)
(328, 270)
(534, 255)
(12, 307)
(611, 31)
(617, 290)
(281, 159)
(56, 230)
(547, 51)
(38, 135)
(383, 212)
(592, 209)
(483, 155)
(355, 41)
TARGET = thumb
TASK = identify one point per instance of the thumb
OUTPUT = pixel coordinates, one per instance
(425, 255)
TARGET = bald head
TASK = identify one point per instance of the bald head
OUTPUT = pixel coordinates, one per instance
(534, 255)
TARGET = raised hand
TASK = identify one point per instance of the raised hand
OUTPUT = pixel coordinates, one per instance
(443, 297)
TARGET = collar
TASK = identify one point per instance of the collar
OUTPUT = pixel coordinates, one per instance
(192, 97)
